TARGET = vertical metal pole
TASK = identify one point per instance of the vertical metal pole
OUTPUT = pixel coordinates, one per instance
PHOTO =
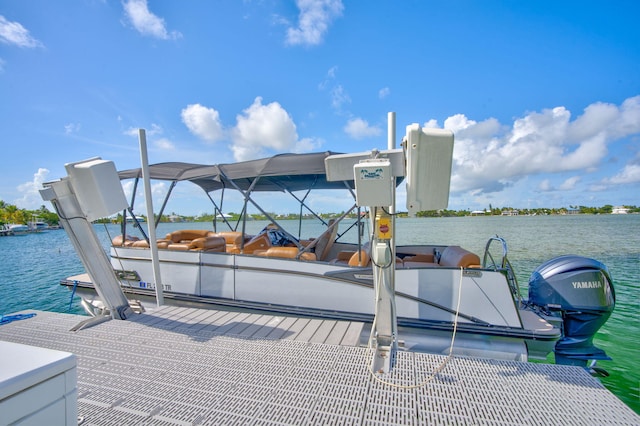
(386, 328)
(391, 130)
(391, 144)
(153, 242)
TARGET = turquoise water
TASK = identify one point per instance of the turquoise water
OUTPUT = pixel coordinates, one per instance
(32, 265)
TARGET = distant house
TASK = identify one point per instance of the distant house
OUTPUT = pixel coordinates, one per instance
(573, 211)
(620, 210)
(478, 213)
(510, 212)
(175, 218)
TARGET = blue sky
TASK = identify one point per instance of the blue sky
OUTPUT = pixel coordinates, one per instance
(543, 96)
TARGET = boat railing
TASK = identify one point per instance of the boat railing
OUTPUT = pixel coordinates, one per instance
(489, 262)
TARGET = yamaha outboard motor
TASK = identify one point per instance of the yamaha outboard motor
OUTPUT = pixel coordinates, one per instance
(579, 290)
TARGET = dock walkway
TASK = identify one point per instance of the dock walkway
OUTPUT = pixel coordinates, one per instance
(183, 366)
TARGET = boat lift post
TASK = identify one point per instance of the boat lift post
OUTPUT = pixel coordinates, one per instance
(375, 174)
(425, 159)
(151, 226)
(91, 191)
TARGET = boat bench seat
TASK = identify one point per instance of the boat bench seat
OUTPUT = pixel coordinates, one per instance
(193, 240)
(233, 240)
(185, 235)
(127, 241)
(352, 258)
(162, 244)
(451, 256)
(285, 252)
(213, 244)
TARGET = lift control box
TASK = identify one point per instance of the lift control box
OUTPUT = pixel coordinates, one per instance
(374, 182)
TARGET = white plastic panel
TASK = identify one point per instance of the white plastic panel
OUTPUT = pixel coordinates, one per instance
(429, 156)
(374, 183)
(340, 166)
(97, 187)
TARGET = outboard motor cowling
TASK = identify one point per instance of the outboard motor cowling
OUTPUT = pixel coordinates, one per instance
(579, 290)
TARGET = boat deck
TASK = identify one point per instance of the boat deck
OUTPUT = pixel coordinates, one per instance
(184, 366)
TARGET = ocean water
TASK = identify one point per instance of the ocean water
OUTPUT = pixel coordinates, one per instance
(31, 267)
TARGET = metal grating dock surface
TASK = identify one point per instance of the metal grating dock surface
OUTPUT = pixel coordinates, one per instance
(180, 366)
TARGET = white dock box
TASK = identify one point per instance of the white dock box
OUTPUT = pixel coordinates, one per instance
(37, 386)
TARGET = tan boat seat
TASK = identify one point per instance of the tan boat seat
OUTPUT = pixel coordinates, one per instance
(212, 243)
(233, 240)
(286, 252)
(127, 241)
(186, 235)
(459, 257)
(354, 258)
(259, 242)
(452, 256)
(162, 244)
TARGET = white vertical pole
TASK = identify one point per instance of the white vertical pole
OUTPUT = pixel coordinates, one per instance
(153, 245)
(391, 130)
(391, 144)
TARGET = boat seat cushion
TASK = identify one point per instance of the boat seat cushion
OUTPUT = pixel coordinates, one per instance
(259, 242)
(359, 259)
(456, 256)
(231, 237)
(353, 257)
(162, 244)
(286, 252)
(127, 241)
(186, 235)
(216, 244)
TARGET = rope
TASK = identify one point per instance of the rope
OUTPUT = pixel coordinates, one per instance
(443, 363)
(6, 319)
(73, 293)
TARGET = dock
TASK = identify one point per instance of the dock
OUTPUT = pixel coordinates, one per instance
(185, 366)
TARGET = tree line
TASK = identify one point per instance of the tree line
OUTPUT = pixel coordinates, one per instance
(10, 213)
(606, 209)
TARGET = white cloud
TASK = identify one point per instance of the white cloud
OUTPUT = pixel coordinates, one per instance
(145, 22)
(313, 21)
(489, 156)
(15, 34)
(265, 127)
(358, 128)
(431, 124)
(339, 97)
(384, 92)
(259, 130)
(569, 184)
(71, 128)
(135, 131)
(545, 186)
(203, 122)
(164, 144)
(331, 75)
(629, 174)
(31, 198)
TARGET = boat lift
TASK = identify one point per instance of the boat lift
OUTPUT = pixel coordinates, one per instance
(425, 160)
(91, 191)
